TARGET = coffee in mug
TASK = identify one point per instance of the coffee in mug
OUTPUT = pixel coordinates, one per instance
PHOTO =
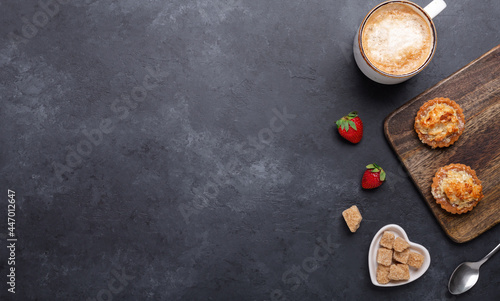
(396, 41)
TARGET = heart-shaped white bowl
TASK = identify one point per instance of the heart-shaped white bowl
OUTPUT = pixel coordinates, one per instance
(375, 245)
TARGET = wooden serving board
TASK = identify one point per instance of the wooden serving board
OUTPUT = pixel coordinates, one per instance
(476, 88)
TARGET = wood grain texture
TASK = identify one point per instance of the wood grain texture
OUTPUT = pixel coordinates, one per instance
(476, 88)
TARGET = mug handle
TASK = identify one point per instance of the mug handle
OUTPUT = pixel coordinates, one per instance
(434, 8)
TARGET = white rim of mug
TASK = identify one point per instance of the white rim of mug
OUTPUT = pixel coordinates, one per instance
(427, 61)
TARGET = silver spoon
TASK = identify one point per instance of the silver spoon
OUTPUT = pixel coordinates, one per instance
(466, 274)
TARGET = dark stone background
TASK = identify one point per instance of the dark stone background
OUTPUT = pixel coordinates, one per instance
(173, 200)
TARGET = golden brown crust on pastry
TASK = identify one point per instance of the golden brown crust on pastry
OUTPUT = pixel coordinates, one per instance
(439, 122)
(456, 188)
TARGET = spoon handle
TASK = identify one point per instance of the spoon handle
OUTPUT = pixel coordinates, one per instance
(490, 254)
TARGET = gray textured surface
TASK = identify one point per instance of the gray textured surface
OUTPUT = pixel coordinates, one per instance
(202, 191)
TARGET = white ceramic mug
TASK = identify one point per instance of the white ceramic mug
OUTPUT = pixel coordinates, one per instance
(376, 74)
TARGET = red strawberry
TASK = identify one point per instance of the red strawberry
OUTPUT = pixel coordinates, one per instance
(373, 177)
(350, 127)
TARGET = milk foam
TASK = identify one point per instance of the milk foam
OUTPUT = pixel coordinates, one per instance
(396, 39)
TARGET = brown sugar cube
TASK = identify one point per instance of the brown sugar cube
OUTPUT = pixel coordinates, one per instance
(401, 256)
(382, 274)
(400, 244)
(399, 272)
(415, 259)
(384, 256)
(352, 218)
(387, 240)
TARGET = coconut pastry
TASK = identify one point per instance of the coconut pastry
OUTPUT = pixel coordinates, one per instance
(439, 122)
(456, 188)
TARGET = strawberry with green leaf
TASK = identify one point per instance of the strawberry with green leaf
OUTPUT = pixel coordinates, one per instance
(350, 127)
(373, 177)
